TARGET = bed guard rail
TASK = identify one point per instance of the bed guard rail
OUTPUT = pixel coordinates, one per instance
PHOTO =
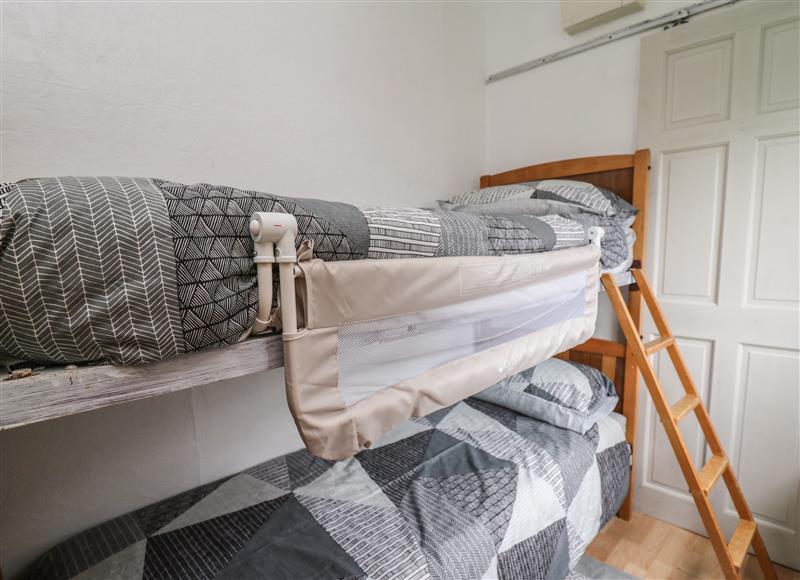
(369, 344)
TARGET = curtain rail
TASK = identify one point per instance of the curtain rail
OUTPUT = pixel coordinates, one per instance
(667, 20)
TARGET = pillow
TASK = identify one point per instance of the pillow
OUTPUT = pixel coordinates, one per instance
(489, 195)
(517, 206)
(550, 196)
(565, 394)
(575, 192)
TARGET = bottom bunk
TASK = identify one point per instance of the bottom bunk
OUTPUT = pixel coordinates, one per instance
(473, 490)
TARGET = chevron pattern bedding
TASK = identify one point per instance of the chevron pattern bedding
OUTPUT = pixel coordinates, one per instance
(471, 491)
(133, 270)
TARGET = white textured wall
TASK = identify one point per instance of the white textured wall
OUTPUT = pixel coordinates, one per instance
(583, 105)
(366, 103)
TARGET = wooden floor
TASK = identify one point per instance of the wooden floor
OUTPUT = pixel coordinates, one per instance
(649, 548)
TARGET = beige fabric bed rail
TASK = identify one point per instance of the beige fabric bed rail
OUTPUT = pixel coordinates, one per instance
(384, 340)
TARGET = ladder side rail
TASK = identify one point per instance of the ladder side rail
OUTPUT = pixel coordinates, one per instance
(639, 198)
(630, 401)
(670, 426)
(681, 369)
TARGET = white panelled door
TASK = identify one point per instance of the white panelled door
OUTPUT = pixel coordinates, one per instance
(719, 110)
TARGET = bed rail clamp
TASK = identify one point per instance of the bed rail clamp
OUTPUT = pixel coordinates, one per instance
(274, 241)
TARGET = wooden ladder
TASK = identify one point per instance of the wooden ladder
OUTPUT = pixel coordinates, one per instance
(731, 554)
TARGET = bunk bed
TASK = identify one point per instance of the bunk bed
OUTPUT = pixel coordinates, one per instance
(55, 391)
(608, 449)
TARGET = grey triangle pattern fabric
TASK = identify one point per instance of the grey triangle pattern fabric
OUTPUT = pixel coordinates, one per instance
(614, 482)
(85, 551)
(202, 550)
(379, 539)
(275, 471)
(488, 495)
(292, 544)
(304, 468)
(455, 543)
(155, 516)
(573, 457)
(528, 455)
(529, 558)
(215, 273)
(462, 235)
(508, 236)
(481, 494)
(388, 462)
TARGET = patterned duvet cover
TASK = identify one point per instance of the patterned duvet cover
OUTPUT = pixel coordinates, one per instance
(470, 491)
(133, 270)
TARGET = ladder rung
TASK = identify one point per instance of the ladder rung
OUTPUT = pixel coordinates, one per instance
(681, 408)
(740, 541)
(711, 471)
(658, 344)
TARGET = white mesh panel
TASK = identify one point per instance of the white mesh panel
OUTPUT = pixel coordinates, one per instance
(375, 354)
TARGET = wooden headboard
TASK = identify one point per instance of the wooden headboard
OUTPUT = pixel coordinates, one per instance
(627, 176)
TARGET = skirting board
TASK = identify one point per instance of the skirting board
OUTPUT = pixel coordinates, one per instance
(58, 392)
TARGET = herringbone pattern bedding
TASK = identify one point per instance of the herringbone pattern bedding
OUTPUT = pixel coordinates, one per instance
(88, 271)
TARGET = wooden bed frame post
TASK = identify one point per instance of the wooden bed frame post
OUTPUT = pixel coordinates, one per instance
(641, 168)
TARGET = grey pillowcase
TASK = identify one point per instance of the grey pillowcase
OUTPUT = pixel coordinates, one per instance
(565, 394)
(538, 198)
(489, 195)
(580, 193)
(534, 207)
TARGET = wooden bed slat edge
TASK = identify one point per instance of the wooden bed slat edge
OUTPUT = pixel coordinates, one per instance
(55, 393)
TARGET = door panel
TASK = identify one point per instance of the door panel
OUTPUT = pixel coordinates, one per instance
(769, 458)
(780, 66)
(777, 207)
(719, 110)
(690, 245)
(699, 84)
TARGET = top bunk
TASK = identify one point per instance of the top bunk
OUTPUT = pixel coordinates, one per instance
(51, 392)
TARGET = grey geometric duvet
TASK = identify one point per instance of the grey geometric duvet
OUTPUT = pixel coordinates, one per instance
(471, 491)
(133, 270)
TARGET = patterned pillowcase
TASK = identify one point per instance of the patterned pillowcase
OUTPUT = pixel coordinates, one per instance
(526, 206)
(576, 192)
(564, 195)
(489, 195)
(562, 393)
